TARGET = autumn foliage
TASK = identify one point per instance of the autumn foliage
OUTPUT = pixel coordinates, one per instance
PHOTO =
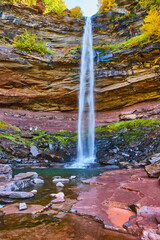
(55, 6)
(151, 26)
(150, 4)
(76, 12)
(106, 5)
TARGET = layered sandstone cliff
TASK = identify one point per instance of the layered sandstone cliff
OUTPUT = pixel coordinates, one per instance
(51, 82)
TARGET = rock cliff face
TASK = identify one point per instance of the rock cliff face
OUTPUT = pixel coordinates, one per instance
(51, 82)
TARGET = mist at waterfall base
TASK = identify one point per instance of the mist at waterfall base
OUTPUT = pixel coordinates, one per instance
(86, 114)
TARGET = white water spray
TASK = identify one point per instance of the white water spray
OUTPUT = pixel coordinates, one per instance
(86, 115)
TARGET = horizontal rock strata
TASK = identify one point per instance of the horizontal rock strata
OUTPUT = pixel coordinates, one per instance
(51, 82)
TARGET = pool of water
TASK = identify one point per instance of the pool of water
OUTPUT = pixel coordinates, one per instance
(43, 191)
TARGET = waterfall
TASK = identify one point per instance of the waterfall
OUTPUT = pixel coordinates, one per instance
(86, 115)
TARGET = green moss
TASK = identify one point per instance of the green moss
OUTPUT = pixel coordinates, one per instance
(76, 51)
(129, 124)
(29, 42)
(140, 41)
(4, 126)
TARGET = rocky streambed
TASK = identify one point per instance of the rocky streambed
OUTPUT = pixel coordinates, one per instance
(68, 205)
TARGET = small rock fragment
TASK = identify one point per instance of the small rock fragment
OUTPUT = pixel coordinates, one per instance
(63, 180)
(72, 177)
(34, 191)
(59, 184)
(22, 206)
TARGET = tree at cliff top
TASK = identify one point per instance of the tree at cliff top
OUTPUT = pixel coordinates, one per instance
(76, 12)
(106, 5)
(150, 4)
(55, 6)
(152, 20)
(27, 2)
(151, 27)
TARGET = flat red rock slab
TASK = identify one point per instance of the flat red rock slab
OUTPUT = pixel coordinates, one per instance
(14, 209)
(113, 192)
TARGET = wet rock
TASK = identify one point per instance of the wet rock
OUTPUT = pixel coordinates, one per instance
(16, 195)
(38, 181)
(124, 164)
(14, 148)
(22, 206)
(34, 191)
(21, 195)
(62, 180)
(34, 151)
(51, 156)
(28, 175)
(150, 234)
(153, 170)
(115, 212)
(154, 158)
(5, 173)
(23, 180)
(59, 197)
(14, 209)
(59, 184)
(72, 177)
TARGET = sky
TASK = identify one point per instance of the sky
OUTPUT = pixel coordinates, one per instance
(89, 7)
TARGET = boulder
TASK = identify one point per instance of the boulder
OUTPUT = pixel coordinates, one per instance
(34, 151)
(16, 195)
(28, 175)
(14, 148)
(21, 195)
(154, 158)
(51, 156)
(5, 173)
(23, 180)
(59, 197)
(153, 170)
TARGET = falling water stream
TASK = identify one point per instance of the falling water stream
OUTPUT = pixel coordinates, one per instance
(86, 115)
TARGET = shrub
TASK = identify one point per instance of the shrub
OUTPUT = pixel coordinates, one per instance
(106, 5)
(76, 12)
(29, 42)
(151, 26)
